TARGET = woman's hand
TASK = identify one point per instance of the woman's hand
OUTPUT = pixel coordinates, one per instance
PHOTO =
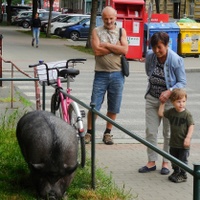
(165, 96)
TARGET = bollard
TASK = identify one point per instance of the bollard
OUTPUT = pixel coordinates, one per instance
(1, 50)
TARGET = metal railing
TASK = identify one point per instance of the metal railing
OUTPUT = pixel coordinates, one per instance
(12, 79)
(194, 172)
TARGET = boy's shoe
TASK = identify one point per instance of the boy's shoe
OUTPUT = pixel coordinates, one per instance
(107, 139)
(185, 176)
(32, 43)
(36, 46)
(179, 178)
(88, 138)
(174, 174)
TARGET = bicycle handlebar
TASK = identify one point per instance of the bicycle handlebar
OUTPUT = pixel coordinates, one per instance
(35, 65)
(73, 60)
(38, 64)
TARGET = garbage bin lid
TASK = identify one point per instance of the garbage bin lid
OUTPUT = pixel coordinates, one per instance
(186, 20)
(191, 26)
(162, 26)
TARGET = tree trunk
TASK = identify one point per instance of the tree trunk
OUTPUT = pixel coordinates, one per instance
(48, 34)
(157, 6)
(35, 6)
(165, 6)
(92, 21)
(39, 4)
(8, 10)
(1, 16)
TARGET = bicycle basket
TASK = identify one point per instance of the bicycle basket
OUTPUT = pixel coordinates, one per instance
(48, 73)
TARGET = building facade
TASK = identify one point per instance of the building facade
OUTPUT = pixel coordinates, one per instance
(178, 8)
(175, 8)
(81, 6)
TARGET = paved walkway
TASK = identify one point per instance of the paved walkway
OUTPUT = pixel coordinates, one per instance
(120, 160)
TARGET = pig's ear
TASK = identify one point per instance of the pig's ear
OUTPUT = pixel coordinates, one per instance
(38, 166)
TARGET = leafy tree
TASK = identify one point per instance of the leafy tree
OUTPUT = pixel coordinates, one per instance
(18, 2)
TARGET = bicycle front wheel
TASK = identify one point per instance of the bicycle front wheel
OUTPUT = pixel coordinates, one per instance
(56, 106)
(75, 117)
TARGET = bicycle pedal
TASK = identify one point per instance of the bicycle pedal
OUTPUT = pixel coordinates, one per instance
(83, 113)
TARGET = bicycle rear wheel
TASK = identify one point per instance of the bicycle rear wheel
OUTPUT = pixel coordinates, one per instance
(74, 117)
(56, 106)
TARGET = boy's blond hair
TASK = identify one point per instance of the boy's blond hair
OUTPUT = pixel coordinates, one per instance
(177, 94)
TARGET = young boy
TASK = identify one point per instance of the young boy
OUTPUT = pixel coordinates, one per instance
(182, 126)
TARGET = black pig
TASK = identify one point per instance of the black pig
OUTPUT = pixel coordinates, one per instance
(50, 147)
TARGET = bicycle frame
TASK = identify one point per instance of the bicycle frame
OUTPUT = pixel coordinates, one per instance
(66, 102)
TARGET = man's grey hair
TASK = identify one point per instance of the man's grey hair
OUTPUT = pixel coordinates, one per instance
(108, 7)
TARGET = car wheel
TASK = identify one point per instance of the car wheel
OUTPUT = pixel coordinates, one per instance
(57, 31)
(25, 24)
(74, 35)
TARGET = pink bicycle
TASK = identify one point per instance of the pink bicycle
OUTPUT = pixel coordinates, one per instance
(54, 74)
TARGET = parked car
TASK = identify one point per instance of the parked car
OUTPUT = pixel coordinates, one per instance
(45, 15)
(80, 29)
(54, 19)
(66, 10)
(69, 20)
(14, 19)
(25, 22)
(16, 9)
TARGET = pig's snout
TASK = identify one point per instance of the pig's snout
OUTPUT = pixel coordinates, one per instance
(52, 196)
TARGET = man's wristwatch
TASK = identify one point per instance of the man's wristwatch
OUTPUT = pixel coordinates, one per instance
(171, 89)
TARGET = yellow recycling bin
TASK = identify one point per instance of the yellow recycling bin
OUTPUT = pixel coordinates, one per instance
(189, 39)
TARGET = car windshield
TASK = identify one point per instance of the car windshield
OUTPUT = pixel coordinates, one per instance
(24, 14)
(57, 18)
(84, 20)
(72, 19)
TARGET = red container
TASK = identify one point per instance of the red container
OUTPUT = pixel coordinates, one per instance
(155, 17)
(130, 16)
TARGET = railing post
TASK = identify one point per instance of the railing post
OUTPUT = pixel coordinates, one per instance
(196, 182)
(37, 91)
(43, 95)
(93, 146)
(12, 86)
(1, 50)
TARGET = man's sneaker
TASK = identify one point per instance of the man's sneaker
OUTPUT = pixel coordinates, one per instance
(88, 138)
(107, 139)
(179, 178)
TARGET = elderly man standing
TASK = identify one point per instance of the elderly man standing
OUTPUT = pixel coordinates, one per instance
(108, 73)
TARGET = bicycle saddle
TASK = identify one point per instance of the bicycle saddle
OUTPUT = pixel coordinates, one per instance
(69, 71)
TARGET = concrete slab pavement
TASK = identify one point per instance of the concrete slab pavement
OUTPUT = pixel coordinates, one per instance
(120, 160)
